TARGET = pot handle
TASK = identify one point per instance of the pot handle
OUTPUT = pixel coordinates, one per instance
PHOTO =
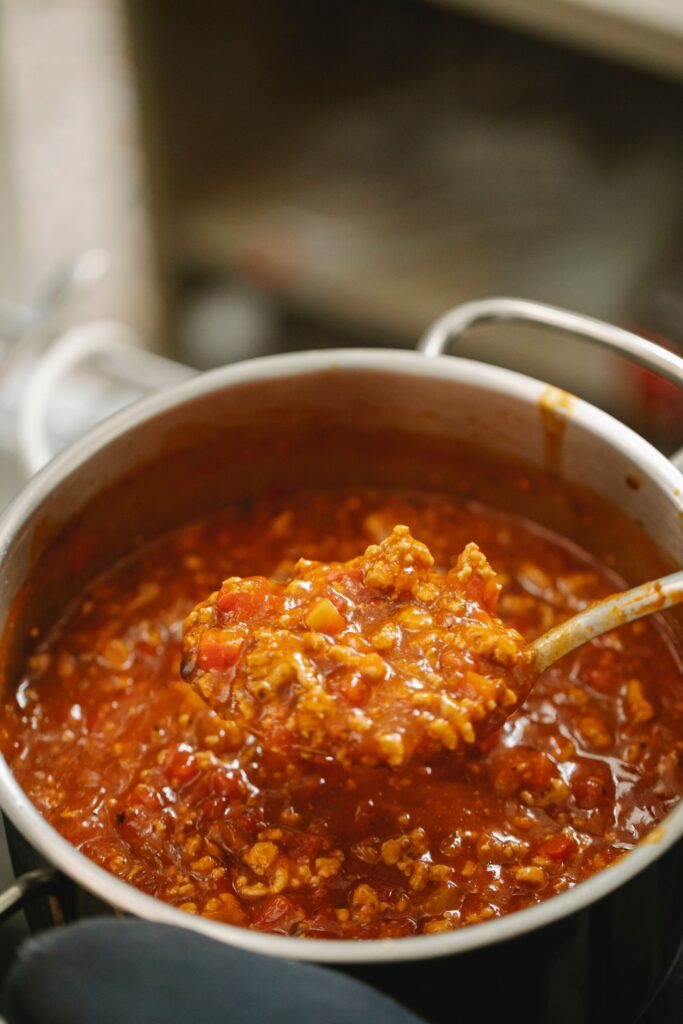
(459, 321)
(32, 885)
(131, 370)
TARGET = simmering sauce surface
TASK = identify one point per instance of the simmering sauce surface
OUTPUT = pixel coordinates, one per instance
(131, 766)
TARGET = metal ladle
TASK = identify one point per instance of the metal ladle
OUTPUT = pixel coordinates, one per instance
(606, 615)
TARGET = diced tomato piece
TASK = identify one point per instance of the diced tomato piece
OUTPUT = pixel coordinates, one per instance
(541, 771)
(278, 914)
(523, 769)
(347, 584)
(558, 847)
(219, 649)
(246, 601)
(250, 821)
(221, 784)
(356, 690)
(483, 592)
(181, 764)
(589, 793)
(302, 847)
(346, 575)
(147, 796)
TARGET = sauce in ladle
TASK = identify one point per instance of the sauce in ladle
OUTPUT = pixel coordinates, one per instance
(378, 659)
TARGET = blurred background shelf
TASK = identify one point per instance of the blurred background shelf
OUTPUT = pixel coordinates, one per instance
(342, 173)
(647, 33)
(453, 184)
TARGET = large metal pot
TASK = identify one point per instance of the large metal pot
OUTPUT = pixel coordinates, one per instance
(593, 953)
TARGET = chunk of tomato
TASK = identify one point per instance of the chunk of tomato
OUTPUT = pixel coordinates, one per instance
(219, 649)
(181, 764)
(558, 847)
(589, 793)
(520, 768)
(247, 600)
(278, 914)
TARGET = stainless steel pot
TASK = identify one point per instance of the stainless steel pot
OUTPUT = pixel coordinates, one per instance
(221, 435)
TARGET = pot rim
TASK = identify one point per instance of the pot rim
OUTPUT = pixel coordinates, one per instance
(125, 897)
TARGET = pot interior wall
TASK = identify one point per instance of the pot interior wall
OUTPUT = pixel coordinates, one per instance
(353, 426)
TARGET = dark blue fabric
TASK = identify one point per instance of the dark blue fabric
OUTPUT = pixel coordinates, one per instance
(105, 971)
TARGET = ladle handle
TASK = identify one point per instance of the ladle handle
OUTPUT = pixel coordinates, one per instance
(605, 615)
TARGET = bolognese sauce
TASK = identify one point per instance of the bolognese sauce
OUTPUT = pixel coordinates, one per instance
(129, 763)
(379, 659)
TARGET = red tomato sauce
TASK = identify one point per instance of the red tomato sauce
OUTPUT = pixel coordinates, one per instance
(133, 768)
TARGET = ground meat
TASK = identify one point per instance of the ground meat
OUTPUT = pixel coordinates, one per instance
(378, 659)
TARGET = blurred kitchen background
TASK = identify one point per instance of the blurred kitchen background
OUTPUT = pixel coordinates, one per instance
(237, 177)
